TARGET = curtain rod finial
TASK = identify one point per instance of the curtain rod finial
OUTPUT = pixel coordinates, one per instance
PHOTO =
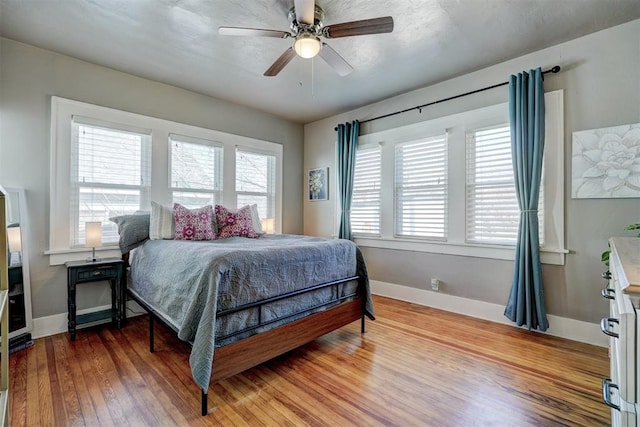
(555, 69)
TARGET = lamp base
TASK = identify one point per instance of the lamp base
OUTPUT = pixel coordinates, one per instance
(93, 257)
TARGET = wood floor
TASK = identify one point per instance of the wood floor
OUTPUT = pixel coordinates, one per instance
(414, 366)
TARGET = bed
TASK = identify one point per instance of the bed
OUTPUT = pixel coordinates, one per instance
(240, 302)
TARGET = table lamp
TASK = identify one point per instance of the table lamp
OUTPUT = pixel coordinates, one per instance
(93, 237)
(268, 225)
(15, 243)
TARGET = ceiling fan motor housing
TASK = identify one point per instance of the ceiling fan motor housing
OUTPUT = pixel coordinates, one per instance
(314, 29)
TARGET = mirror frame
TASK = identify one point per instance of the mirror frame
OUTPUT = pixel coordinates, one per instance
(10, 195)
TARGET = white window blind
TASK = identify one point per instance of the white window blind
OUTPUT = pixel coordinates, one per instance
(256, 184)
(110, 175)
(365, 202)
(421, 188)
(492, 210)
(195, 171)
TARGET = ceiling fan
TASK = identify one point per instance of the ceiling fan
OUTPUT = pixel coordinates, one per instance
(306, 23)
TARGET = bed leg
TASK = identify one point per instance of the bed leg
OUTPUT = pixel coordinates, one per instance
(362, 331)
(203, 398)
(151, 337)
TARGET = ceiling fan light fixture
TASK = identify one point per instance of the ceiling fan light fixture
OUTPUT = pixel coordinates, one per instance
(306, 29)
(307, 45)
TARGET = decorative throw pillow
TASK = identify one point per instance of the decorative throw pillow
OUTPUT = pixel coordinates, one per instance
(133, 230)
(161, 224)
(193, 224)
(237, 223)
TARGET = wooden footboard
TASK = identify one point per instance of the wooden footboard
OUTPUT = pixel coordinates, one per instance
(231, 359)
(241, 355)
(234, 358)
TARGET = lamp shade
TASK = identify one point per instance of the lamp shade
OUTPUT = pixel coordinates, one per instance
(93, 234)
(307, 45)
(14, 239)
(268, 225)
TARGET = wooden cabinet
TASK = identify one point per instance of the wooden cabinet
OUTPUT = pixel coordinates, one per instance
(4, 315)
(621, 391)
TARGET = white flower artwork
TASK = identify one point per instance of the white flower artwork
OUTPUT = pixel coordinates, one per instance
(606, 163)
(318, 189)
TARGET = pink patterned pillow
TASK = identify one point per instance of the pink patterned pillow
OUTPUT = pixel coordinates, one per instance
(235, 224)
(193, 224)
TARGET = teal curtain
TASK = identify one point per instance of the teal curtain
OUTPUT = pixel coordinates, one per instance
(346, 147)
(526, 115)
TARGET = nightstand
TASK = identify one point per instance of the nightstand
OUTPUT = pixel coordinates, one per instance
(78, 272)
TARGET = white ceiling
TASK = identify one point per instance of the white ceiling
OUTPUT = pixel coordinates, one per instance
(176, 42)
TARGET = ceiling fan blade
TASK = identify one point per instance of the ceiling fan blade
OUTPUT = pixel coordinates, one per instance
(334, 59)
(359, 28)
(305, 11)
(239, 31)
(280, 63)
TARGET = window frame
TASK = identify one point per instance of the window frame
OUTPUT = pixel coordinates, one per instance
(217, 192)
(252, 150)
(76, 185)
(402, 187)
(456, 126)
(62, 112)
(472, 186)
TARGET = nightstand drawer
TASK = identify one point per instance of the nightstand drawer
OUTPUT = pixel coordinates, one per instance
(93, 273)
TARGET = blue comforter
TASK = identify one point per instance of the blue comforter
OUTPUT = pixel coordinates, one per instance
(186, 282)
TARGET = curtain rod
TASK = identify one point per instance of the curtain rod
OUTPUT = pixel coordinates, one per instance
(553, 70)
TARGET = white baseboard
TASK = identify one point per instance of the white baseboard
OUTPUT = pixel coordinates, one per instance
(57, 323)
(563, 327)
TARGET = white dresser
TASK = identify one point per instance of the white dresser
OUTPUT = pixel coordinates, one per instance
(621, 391)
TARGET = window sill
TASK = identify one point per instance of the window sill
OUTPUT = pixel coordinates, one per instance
(547, 255)
(60, 256)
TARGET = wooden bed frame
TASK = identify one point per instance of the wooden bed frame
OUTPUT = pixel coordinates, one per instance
(231, 359)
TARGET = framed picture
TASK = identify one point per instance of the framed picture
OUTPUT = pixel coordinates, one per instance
(606, 163)
(318, 184)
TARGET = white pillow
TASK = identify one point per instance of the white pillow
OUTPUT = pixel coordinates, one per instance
(255, 218)
(161, 224)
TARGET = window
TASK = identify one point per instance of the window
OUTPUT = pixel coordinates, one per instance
(421, 188)
(256, 184)
(107, 162)
(493, 214)
(110, 176)
(446, 186)
(492, 210)
(365, 201)
(196, 171)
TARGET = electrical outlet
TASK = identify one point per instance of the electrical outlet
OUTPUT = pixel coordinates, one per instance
(435, 285)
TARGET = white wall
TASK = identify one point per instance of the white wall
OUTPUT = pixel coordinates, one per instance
(601, 81)
(29, 76)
